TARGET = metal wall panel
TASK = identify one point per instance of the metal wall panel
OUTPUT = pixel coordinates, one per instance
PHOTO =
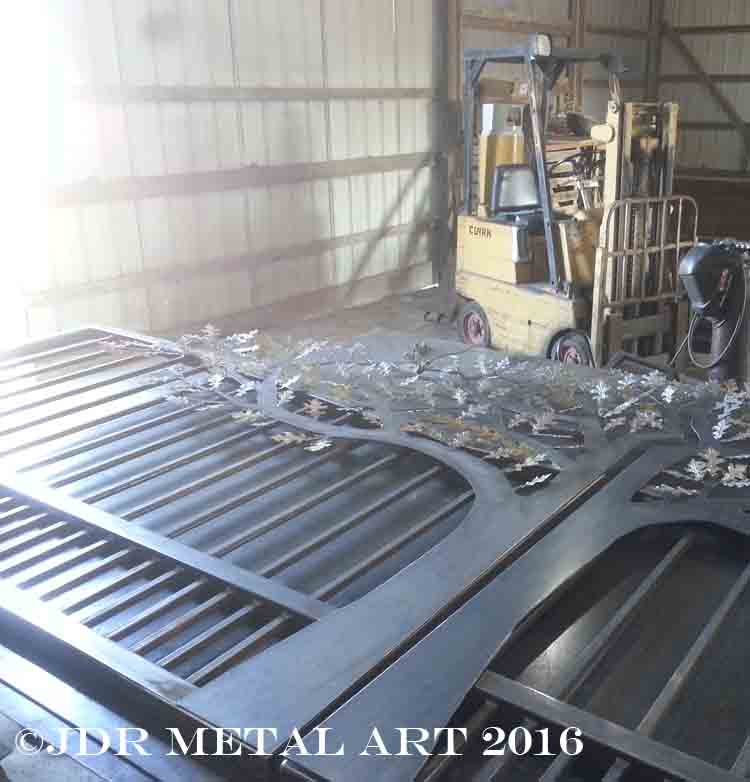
(719, 54)
(614, 14)
(543, 10)
(633, 50)
(602, 13)
(165, 88)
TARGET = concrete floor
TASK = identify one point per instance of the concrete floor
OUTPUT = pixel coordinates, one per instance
(18, 767)
(399, 314)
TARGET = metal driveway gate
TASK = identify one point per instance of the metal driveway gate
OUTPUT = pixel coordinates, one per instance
(259, 569)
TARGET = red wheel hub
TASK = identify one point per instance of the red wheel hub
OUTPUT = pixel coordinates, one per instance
(570, 355)
(474, 329)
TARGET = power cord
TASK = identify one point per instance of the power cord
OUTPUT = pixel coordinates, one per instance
(696, 319)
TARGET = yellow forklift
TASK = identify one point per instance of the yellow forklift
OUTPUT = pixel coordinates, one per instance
(570, 237)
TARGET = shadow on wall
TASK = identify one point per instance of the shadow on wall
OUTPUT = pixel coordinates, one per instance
(417, 228)
(307, 220)
(303, 222)
(297, 219)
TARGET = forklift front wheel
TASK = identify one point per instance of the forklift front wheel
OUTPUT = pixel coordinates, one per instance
(473, 325)
(571, 347)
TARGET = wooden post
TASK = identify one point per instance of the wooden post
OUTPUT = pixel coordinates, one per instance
(579, 9)
(653, 57)
(448, 301)
(455, 48)
(726, 105)
(455, 92)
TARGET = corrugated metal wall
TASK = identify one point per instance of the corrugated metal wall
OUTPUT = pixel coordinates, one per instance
(222, 156)
(216, 157)
(728, 53)
(548, 11)
(632, 16)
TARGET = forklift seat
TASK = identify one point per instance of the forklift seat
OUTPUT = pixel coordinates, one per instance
(515, 196)
(514, 189)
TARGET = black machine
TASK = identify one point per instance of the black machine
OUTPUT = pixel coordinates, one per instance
(713, 274)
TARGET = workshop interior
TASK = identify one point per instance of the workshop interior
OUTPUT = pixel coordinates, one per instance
(375, 392)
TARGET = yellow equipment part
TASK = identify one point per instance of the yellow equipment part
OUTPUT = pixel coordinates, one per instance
(524, 312)
(579, 239)
(489, 249)
(522, 318)
(502, 269)
(496, 149)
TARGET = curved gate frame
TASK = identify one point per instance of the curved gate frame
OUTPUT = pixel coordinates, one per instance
(304, 679)
(452, 660)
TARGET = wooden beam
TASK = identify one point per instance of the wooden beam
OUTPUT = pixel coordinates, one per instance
(722, 29)
(128, 188)
(617, 31)
(502, 21)
(190, 94)
(208, 267)
(703, 125)
(678, 78)
(711, 175)
(721, 99)
(689, 78)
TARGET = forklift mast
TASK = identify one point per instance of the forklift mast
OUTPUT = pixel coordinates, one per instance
(544, 65)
